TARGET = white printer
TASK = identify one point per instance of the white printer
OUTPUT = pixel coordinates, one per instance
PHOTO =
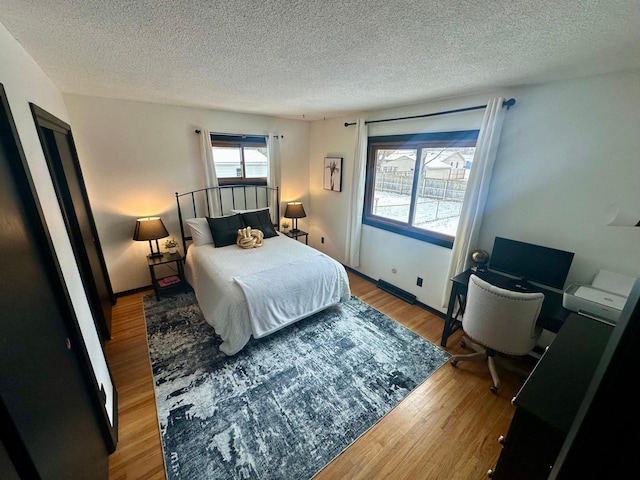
(604, 298)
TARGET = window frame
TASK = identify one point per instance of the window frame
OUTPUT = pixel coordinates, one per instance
(461, 138)
(240, 141)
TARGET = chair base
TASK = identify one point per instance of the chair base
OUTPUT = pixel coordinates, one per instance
(482, 353)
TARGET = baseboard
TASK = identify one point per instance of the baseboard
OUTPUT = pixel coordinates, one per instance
(356, 272)
(396, 291)
(135, 290)
(429, 309)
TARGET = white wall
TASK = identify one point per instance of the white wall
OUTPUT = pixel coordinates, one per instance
(382, 252)
(567, 149)
(135, 156)
(25, 82)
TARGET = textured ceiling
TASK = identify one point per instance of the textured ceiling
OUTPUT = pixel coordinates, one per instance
(318, 58)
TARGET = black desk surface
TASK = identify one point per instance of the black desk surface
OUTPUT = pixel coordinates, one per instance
(552, 315)
(555, 388)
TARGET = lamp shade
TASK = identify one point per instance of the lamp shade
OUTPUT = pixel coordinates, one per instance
(149, 228)
(294, 210)
(615, 216)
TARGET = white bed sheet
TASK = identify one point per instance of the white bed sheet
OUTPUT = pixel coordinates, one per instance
(212, 273)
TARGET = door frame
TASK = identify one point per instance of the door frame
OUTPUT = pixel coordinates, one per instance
(45, 120)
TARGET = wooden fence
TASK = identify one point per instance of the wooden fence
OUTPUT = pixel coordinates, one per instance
(435, 188)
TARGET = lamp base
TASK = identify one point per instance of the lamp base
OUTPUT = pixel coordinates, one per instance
(294, 230)
(155, 254)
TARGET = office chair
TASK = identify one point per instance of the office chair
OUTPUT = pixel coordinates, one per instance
(498, 321)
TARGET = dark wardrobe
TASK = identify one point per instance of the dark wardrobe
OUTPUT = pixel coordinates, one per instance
(53, 423)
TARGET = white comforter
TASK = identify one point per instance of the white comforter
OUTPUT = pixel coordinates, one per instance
(284, 280)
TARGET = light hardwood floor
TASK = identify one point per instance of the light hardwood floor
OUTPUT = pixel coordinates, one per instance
(447, 428)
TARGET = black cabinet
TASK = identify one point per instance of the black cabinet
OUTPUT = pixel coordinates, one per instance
(548, 402)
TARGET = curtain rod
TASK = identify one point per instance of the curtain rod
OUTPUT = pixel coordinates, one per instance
(507, 103)
(240, 134)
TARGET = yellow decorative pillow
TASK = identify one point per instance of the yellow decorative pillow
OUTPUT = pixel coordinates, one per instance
(249, 238)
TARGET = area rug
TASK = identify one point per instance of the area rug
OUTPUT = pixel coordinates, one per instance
(287, 404)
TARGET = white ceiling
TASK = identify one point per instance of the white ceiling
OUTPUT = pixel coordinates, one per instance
(318, 58)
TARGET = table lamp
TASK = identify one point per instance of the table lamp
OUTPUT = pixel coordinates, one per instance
(150, 228)
(294, 210)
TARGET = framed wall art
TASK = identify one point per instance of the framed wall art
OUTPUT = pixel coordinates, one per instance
(333, 174)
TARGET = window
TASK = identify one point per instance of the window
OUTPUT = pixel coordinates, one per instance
(416, 183)
(240, 159)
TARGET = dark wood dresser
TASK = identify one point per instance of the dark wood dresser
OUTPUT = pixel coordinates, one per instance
(547, 403)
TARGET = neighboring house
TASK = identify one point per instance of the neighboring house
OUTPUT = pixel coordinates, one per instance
(400, 165)
(447, 165)
(436, 169)
(227, 163)
(438, 165)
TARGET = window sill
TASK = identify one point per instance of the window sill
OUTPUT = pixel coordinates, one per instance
(416, 233)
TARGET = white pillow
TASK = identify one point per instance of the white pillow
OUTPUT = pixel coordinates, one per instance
(233, 210)
(200, 231)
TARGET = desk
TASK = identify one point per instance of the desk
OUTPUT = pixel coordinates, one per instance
(551, 318)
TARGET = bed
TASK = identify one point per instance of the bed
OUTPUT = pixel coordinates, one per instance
(251, 292)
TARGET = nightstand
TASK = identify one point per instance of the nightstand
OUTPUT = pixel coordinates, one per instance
(169, 282)
(299, 234)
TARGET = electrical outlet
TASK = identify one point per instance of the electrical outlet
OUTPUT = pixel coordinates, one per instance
(419, 282)
(321, 239)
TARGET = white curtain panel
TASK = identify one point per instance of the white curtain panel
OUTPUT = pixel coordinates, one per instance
(210, 177)
(354, 220)
(273, 174)
(476, 194)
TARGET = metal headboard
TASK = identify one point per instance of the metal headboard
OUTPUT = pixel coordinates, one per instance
(219, 201)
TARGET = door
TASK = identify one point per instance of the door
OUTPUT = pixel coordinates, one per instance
(49, 402)
(62, 159)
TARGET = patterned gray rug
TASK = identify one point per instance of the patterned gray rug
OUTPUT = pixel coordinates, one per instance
(287, 404)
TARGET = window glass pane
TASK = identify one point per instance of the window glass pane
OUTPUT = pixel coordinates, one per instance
(255, 162)
(240, 158)
(441, 186)
(420, 199)
(394, 171)
(228, 161)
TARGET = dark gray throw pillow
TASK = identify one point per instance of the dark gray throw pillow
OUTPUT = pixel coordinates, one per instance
(224, 230)
(260, 220)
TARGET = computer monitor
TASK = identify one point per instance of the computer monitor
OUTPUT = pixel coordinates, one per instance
(530, 263)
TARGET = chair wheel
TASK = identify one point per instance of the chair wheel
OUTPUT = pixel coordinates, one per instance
(454, 363)
(493, 389)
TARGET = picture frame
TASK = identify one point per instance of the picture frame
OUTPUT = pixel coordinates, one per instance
(332, 178)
